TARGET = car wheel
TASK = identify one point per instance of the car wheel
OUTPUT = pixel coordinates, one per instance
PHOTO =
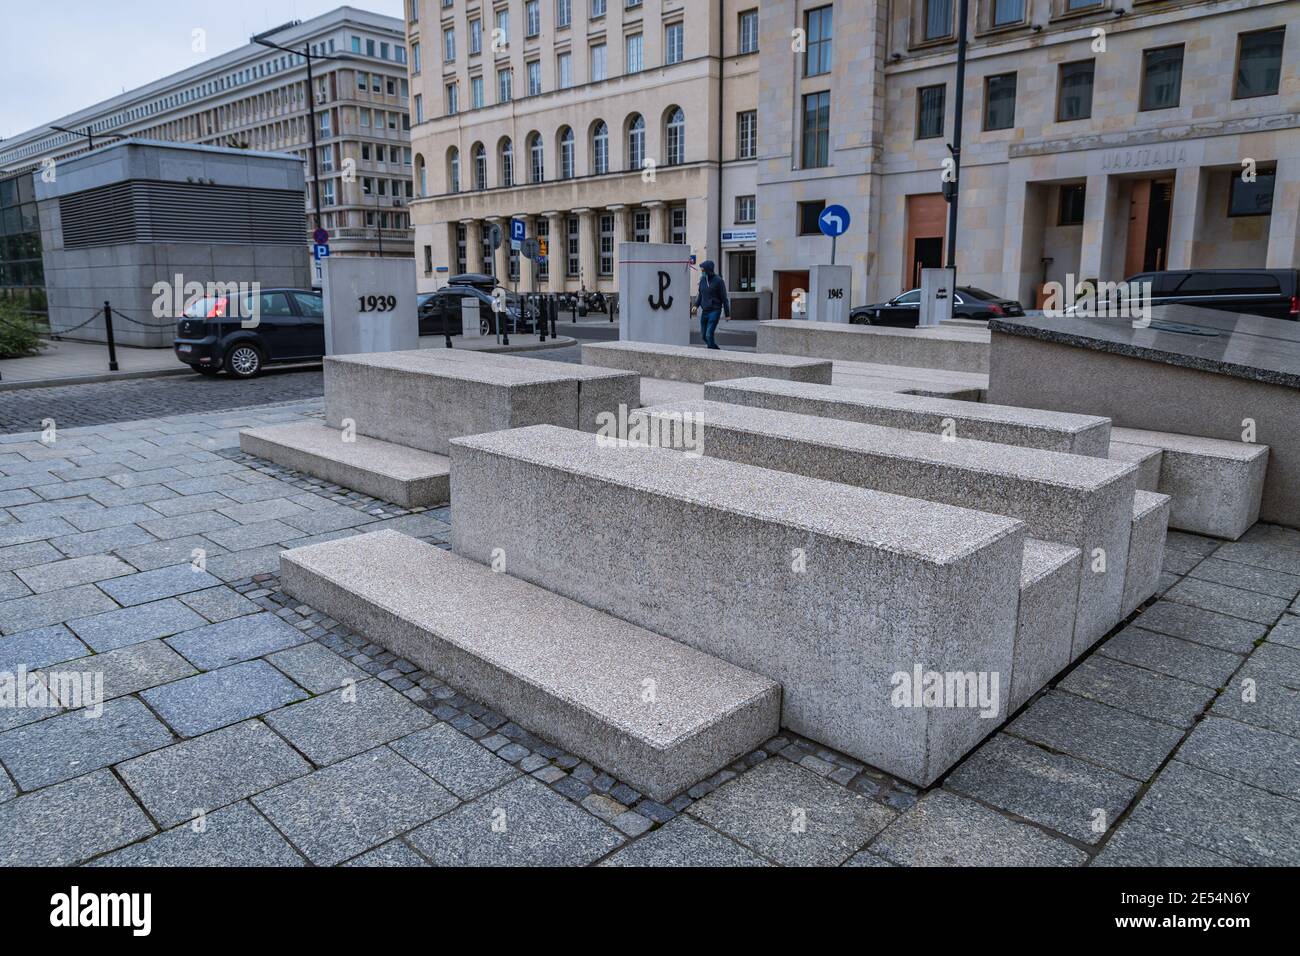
(243, 360)
(205, 370)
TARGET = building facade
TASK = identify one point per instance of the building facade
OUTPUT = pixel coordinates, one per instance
(594, 121)
(256, 98)
(1101, 138)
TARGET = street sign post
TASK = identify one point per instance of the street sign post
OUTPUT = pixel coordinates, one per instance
(320, 237)
(531, 249)
(518, 230)
(495, 236)
(834, 222)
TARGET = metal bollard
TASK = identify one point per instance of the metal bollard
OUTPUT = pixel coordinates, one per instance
(108, 333)
(539, 316)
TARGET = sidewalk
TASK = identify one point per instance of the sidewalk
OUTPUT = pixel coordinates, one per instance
(75, 363)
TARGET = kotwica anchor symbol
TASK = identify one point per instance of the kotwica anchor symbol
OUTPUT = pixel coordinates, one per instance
(665, 280)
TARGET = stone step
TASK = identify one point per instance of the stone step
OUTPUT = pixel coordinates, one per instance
(405, 476)
(1049, 597)
(1003, 424)
(940, 347)
(659, 715)
(686, 363)
(1216, 485)
(1145, 457)
(1078, 500)
(830, 590)
(1146, 550)
(936, 383)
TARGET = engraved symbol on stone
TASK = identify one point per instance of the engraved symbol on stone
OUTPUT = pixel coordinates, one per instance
(665, 280)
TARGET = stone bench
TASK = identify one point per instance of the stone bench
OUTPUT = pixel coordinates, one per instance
(1146, 548)
(657, 713)
(1145, 457)
(1216, 485)
(1049, 595)
(835, 592)
(936, 383)
(405, 476)
(685, 363)
(1003, 424)
(942, 347)
(1076, 500)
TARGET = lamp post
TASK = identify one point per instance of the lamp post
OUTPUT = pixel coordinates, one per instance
(951, 189)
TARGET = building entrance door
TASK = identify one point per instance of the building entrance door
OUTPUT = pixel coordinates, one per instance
(1147, 249)
(786, 284)
(927, 221)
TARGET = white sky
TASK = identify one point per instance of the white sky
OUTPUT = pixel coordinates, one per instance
(58, 56)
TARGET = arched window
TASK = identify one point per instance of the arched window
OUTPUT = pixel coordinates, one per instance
(453, 170)
(536, 158)
(479, 154)
(675, 137)
(421, 175)
(507, 163)
(566, 153)
(600, 148)
(636, 142)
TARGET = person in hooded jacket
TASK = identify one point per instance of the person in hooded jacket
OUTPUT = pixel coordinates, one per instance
(713, 302)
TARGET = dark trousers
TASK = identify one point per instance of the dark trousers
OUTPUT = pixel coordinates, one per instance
(708, 324)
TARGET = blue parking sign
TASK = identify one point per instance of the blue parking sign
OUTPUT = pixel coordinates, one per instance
(518, 230)
(320, 251)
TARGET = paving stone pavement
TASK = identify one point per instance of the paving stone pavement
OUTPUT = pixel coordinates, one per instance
(146, 552)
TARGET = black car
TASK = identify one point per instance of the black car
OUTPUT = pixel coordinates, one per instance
(440, 312)
(904, 311)
(217, 332)
(1274, 293)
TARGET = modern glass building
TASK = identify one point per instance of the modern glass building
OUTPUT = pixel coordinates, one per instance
(22, 276)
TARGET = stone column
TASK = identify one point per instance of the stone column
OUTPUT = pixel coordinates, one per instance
(474, 246)
(1284, 224)
(658, 220)
(620, 212)
(528, 281)
(558, 241)
(1185, 216)
(587, 246)
(1102, 229)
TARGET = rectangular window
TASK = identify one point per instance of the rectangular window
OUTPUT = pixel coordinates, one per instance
(1162, 77)
(816, 130)
(747, 134)
(746, 272)
(505, 85)
(749, 31)
(453, 100)
(462, 249)
(1070, 205)
(356, 44)
(809, 217)
(563, 13)
(1000, 101)
(1259, 63)
(597, 8)
(535, 78)
(573, 258)
(1071, 6)
(677, 225)
(363, 82)
(428, 260)
(606, 245)
(936, 23)
(1252, 199)
(415, 57)
(674, 43)
(419, 108)
(564, 70)
(635, 50)
(503, 25)
(1074, 91)
(533, 18)
(746, 209)
(599, 62)
(929, 111)
(449, 45)
(476, 100)
(475, 36)
(1008, 12)
(818, 30)
(641, 226)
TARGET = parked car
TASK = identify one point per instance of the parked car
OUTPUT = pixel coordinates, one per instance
(1274, 293)
(441, 311)
(905, 310)
(211, 333)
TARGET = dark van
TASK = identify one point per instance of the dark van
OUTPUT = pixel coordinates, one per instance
(1274, 293)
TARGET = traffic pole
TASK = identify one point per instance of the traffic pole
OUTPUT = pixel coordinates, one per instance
(108, 332)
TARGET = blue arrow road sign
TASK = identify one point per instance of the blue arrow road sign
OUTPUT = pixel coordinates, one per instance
(518, 231)
(834, 221)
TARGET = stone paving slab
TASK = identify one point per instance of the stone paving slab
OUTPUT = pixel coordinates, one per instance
(944, 829)
(1286, 632)
(237, 836)
(392, 853)
(12, 586)
(72, 572)
(133, 625)
(219, 604)
(1135, 845)
(1071, 797)
(1258, 698)
(348, 721)
(1236, 602)
(1203, 627)
(69, 823)
(240, 639)
(131, 668)
(217, 698)
(792, 816)
(1222, 815)
(1114, 739)
(76, 743)
(161, 583)
(52, 607)
(1248, 577)
(158, 555)
(684, 842)
(99, 542)
(214, 770)
(352, 806)
(39, 648)
(457, 762)
(1137, 690)
(25, 555)
(1261, 758)
(541, 828)
(1261, 555)
(1163, 654)
(316, 668)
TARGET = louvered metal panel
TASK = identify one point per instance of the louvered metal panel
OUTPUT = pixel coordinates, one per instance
(144, 211)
